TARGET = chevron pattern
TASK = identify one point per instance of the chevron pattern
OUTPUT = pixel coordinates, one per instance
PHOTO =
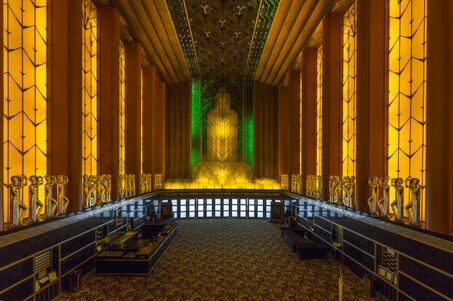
(25, 91)
(407, 92)
(319, 113)
(349, 91)
(209, 88)
(89, 88)
(122, 100)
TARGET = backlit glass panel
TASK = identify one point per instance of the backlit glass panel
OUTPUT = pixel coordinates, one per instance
(89, 88)
(407, 93)
(349, 91)
(25, 92)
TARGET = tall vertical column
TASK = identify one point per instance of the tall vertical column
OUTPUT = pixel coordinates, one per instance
(149, 96)
(64, 113)
(133, 110)
(294, 120)
(332, 97)
(2, 198)
(178, 130)
(265, 105)
(372, 95)
(108, 94)
(309, 88)
(283, 126)
(439, 130)
(159, 129)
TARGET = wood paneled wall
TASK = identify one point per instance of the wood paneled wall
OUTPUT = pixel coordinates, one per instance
(265, 121)
(177, 130)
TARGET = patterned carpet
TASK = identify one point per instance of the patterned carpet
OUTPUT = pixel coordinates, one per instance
(227, 259)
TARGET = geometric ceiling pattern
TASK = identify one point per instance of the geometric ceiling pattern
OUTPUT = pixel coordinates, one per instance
(222, 39)
(221, 33)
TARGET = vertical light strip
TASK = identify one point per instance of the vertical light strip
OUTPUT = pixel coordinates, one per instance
(349, 91)
(89, 88)
(25, 91)
(319, 112)
(407, 92)
(196, 122)
(141, 120)
(300, 123)
(122, 111)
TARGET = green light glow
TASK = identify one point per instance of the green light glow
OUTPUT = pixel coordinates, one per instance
(196, 122)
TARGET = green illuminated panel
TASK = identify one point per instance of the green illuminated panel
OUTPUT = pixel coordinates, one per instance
(196, 122)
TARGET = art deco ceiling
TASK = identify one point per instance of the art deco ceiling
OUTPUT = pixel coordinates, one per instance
(222, 32)
(223, 39)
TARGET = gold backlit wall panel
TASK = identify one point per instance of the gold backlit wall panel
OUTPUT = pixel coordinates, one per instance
(89, 88)
(349, 91)
(319, 112)
(300, 123)
(407, 91)
(122, 138)
(141, 121)
(25, 91)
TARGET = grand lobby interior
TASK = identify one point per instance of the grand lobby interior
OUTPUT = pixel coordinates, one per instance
(226, 150)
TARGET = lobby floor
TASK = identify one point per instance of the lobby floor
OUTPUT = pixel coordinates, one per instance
(227, 259)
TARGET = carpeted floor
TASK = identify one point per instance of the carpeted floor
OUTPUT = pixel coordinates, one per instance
(227, 259)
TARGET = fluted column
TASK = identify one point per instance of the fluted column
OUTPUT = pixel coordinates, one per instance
(309, 97)
(65, 96)
(294, 120)
(159, 129)
(283, 137)
(108, 95)
(149, 95)
(372, 95)
(133, 110)
(439, 112)
(332, 98)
